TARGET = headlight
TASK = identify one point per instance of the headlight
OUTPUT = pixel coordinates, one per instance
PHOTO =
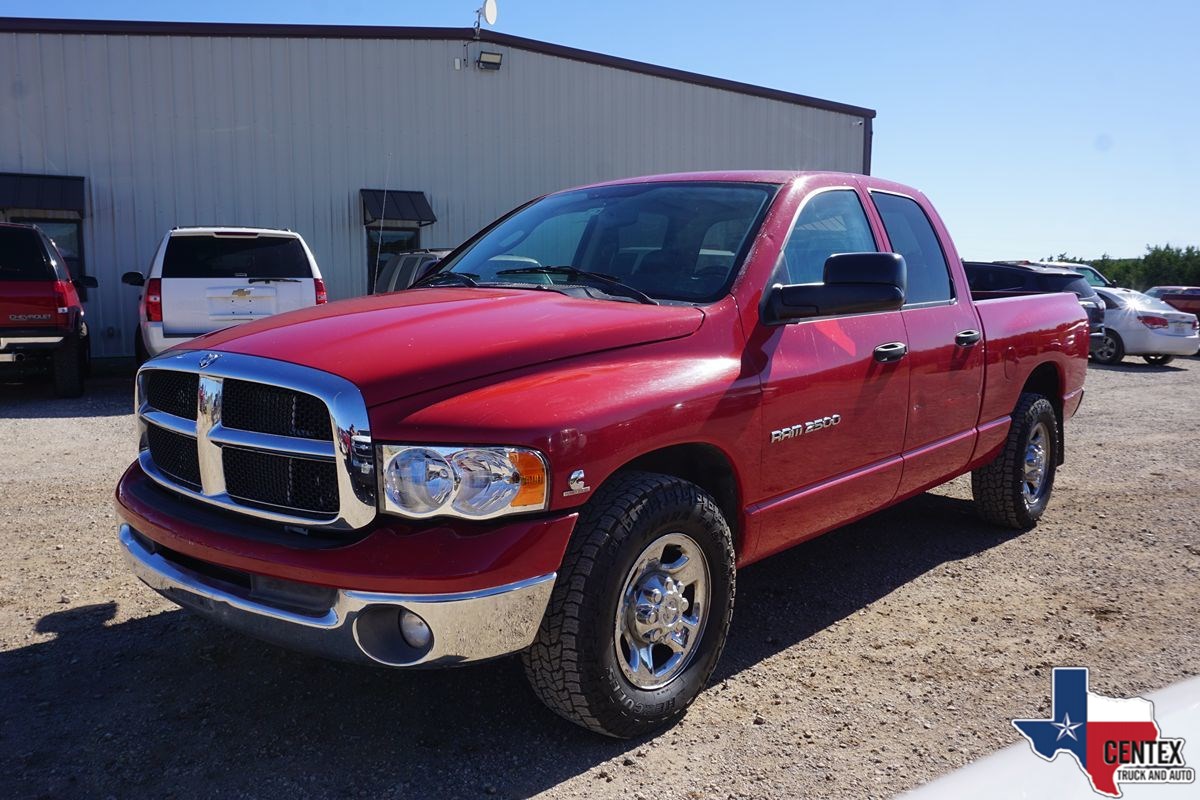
(468, 482)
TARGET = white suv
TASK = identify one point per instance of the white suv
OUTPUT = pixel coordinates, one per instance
(205, 279)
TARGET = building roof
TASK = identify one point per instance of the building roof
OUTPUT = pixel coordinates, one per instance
(258, 30)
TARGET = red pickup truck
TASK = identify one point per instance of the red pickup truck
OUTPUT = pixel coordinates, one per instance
(567, 438)
(41, 317)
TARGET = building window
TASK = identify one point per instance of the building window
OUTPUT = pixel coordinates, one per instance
(383, 244)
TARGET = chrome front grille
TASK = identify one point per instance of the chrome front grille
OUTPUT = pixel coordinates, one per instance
(269, 409)
(261, 437)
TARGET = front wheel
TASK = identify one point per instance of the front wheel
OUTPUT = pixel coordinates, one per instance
(1014, 489)
(641, 609)
(1159, 361)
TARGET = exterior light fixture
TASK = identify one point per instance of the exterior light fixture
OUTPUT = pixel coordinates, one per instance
(488, 60)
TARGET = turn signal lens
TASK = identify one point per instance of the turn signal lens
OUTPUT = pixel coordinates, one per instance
(531, 471)
(154, 300)
(322, 295)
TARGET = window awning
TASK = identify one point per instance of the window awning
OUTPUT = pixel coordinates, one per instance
(43, 192)
(395, 205)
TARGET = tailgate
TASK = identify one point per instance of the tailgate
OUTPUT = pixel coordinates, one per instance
(28, 304)
(199, 305)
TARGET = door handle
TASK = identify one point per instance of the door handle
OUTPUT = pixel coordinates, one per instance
(967, 338)
(892, 351)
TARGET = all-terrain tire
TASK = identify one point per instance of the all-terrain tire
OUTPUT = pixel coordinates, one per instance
(999, 487)
(69, 365)
(572, 664)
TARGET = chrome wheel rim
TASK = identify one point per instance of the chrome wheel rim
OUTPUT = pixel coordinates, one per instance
(1033, 484)
(662, 611)
(1107, 348)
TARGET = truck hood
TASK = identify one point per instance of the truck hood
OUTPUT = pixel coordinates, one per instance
(396, 345)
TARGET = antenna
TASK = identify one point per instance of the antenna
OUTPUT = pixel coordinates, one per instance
(486, 13)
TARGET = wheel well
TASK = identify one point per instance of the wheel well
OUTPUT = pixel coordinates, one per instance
(707, 467)
(1046, 381)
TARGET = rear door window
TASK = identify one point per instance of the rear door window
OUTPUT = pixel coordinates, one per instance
(22, 257)
(235, 257)
(913, 237)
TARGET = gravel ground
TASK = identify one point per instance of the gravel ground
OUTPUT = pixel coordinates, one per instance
(860, 664)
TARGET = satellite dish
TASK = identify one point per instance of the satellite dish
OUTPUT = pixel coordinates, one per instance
(489, 11)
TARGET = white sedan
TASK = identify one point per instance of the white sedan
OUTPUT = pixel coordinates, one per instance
(1139, 325)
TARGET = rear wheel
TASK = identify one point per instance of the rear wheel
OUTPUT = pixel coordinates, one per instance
(1111, 349)
(641, 609)
(1159, 361)
(69, 365)
(1015, 487)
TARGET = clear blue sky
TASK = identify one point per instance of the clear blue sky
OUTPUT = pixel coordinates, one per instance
(1035, 127)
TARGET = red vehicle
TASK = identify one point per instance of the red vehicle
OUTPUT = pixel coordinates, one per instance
(41, 316)
(567, 439)
(1184, 298)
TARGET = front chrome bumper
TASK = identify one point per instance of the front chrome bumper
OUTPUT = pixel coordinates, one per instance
(358, 626)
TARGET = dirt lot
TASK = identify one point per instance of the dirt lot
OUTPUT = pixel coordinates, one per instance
(861, 664)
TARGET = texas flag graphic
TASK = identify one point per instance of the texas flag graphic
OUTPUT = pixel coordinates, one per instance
(1113, 740)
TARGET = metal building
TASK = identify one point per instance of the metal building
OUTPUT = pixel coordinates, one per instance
(111, 133)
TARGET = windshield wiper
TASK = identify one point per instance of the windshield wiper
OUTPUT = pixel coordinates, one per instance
(452, 278)
(273, 280)
(580, 274)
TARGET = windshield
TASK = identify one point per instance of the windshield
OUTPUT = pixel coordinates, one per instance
(671, 241)
(235, 256)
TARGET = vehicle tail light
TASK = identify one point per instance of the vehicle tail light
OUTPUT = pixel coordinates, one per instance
(62, 302)
(1196, 323)
(322, 295)
(154, 300)
(1152, 322)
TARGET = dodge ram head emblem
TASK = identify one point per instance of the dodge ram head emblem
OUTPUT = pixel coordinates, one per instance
(242, 292)
(208, 358)
(802, 428)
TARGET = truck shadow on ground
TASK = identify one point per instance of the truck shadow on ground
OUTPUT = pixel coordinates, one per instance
(170, 705)
(34, 398)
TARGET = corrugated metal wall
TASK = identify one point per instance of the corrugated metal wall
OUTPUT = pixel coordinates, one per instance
(179, 130)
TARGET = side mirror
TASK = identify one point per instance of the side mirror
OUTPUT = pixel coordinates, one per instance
(86, 282)
(855, 283)
(133, 279)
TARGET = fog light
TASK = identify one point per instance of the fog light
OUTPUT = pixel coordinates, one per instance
(414, 630)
